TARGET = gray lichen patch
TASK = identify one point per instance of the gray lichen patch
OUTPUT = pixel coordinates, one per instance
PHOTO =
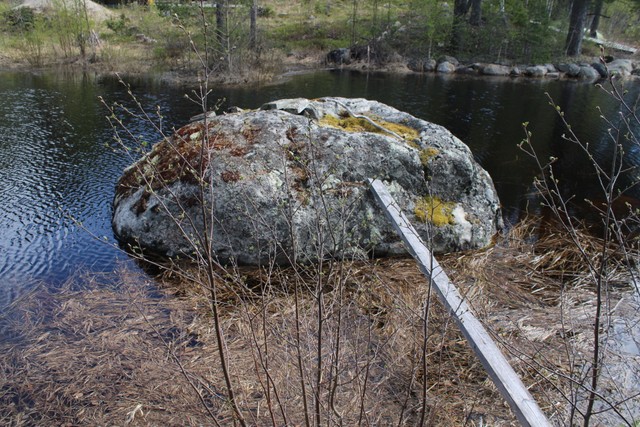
(284, 182)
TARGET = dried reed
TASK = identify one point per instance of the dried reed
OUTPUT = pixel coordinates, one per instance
(130, 352)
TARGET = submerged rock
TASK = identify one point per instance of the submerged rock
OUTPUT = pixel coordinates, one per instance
(288, 183)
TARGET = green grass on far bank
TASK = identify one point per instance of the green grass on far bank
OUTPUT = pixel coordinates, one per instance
(136, 38)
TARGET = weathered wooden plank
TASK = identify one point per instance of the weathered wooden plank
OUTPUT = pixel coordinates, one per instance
(504, 377)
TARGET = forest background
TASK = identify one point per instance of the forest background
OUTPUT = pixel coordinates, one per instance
(257, 39)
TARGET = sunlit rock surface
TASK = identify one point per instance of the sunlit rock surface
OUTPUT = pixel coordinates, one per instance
(288, 183)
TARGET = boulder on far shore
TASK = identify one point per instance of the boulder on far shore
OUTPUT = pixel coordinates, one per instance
(95, 11)
(587, 72)
(446, 67)
(622, 67)
(288, 183)
(449, 59)
(573, 70)
(536, 71)
(496, 70)
(469, 70)
(422, 65)
(582, 70)
(601, 69)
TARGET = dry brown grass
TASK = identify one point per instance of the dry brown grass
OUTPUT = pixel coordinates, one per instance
(94, 353)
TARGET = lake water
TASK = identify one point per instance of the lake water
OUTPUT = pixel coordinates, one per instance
(57, 157)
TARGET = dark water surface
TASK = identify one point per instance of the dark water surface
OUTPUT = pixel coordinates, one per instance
(57, 160)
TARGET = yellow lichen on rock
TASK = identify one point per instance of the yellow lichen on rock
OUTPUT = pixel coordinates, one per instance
(434, 210)
(357, 124)
(428, 154)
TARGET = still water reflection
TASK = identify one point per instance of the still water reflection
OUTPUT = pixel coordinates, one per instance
(57, 160)
(57, 168)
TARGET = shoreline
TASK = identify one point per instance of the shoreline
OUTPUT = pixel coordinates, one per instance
(581, 70)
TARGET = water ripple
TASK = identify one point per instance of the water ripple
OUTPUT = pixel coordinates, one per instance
(56, 167)
(54, 171)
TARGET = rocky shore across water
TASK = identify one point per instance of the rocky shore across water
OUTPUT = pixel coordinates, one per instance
(593, 70)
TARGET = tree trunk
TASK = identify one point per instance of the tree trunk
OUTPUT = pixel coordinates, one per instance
(597, 12)
(253, 38)
(476, 13)
(460, 9)
(354, 15)
(220, 30)
(503, 13)
(577, 21)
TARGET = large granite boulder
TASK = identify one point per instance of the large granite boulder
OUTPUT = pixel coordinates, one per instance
(288, 182)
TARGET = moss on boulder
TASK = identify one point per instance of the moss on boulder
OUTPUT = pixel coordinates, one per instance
(289, 182)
